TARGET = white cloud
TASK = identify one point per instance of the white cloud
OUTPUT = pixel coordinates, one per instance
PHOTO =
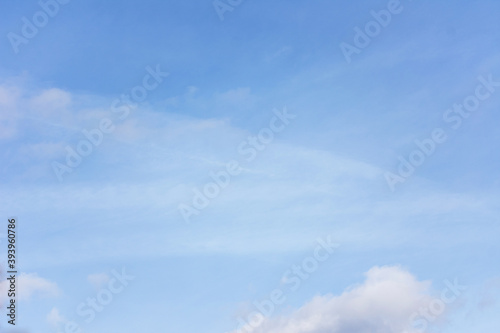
(384, 303)
(54, 318)
(42, 150)
(51, 100)
(98, 280)
(239, 97)
(29, 284)
(8, 96)
(8, 104)
(490, 294)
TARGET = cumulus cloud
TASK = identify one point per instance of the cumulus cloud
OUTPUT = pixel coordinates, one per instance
(384, 303)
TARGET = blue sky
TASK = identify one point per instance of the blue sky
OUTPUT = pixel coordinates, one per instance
(321, 175)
